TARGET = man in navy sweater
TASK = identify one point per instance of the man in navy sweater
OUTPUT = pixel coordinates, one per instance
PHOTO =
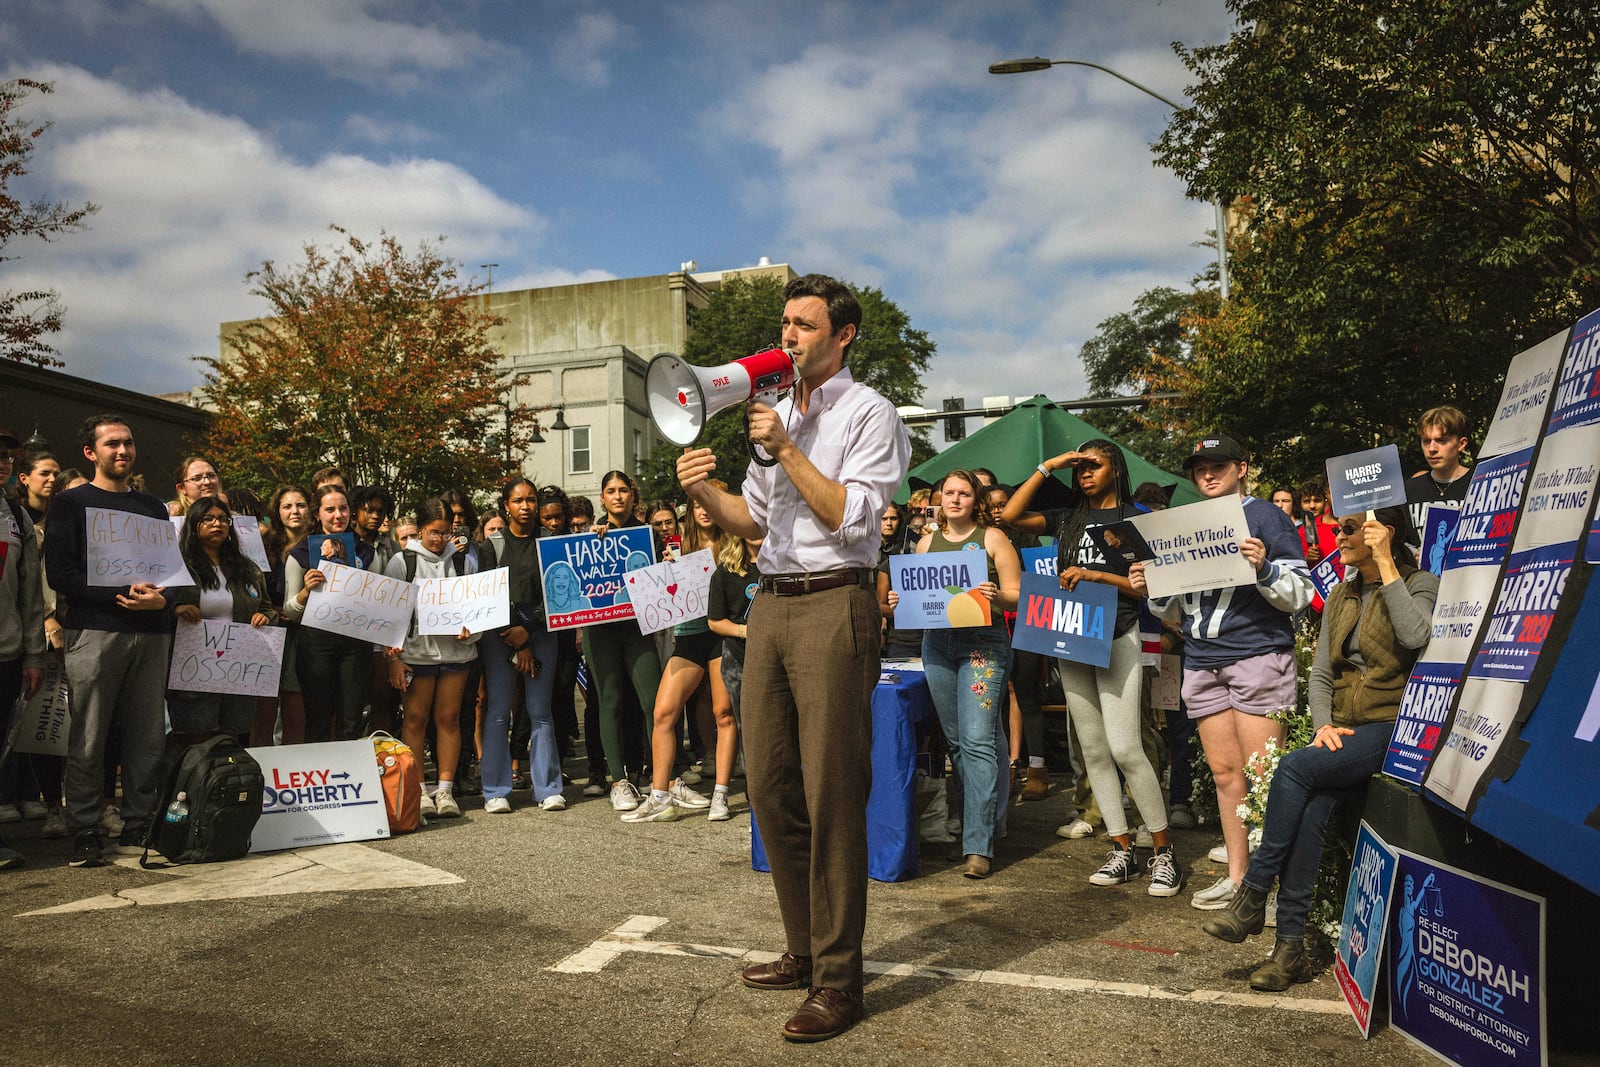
(118, 641)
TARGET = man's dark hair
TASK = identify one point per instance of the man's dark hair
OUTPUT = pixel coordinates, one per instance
(582, 507)
(90, 430)
(843, 307)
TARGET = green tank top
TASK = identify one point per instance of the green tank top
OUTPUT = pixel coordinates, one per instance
(973, 542)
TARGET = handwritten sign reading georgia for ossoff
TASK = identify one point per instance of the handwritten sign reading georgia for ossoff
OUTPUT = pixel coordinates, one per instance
(360, 604)
(472, 602)
(128, 549)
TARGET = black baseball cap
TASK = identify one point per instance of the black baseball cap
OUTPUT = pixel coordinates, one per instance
(1216, 448)
(9, 440)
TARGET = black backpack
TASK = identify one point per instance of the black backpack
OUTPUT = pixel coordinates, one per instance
(223, 787)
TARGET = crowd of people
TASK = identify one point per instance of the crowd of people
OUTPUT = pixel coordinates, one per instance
(499, 711)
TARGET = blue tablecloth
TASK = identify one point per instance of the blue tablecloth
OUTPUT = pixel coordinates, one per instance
(898, 708)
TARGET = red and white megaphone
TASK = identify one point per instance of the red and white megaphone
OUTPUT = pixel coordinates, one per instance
(683, 397)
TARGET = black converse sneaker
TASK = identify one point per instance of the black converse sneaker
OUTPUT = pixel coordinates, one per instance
(1166, 879)
(1121, 867)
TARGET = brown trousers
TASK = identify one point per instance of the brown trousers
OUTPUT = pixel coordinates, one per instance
(810, 666)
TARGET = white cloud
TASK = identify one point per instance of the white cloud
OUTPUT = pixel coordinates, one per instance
(386, 132)
(583, 52)
(191, 200)
(339, 35)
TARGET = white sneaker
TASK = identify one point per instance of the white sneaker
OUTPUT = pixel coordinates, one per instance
(719, 808)
(1075, 830)
(110, 824)
(444, 802)
(1142, 839)
(426, 806)
(553, 802)
(1218, 854)
(690, 776)
(1216, 896)
(595, 788)
(685, 797)
(497, 806)
(9, 813)
(31, 809)
(624, 797)
(55, 824)
(654, 809)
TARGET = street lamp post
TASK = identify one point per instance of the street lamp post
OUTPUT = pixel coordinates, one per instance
(1033, 63)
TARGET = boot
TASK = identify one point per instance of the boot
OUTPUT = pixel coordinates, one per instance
(1038, 784)
(1245, 914)
(1287, 965)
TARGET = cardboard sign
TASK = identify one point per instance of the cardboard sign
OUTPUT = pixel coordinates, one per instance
(1196, 547)
(1484, 713)
(677, 590)
(128, 549)
(472, 602)
(1555, 508)
(360, 604)
(1578, 392)
(1438, 531)
(1366, 480)
(1519, 416)
(345, 543)
(1523, 613)
(936, 590)
(318, 794)
(585, 575)
(248, 530)
(219, 656)
(1366, 920)
(1423, 708)
(42, 723)
(1166, 685)
(1076, 624)
(1120, 541)
(1489, 513)
(1328, 573)
(1466, 965)
(1039, 560)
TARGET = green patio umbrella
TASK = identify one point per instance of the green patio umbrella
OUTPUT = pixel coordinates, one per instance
(1017, 442)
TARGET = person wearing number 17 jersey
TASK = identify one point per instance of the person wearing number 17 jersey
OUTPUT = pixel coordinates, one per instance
(1238, 652)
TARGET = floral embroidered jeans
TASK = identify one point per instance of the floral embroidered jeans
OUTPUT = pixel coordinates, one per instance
(966, 671)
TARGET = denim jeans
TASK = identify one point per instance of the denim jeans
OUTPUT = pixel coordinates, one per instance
(966, 671)
(500, 683)
(1306, 788)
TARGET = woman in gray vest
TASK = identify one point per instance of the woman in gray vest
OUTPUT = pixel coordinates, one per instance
(1374, 626)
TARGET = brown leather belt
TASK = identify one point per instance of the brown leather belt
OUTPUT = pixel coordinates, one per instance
(817, 581)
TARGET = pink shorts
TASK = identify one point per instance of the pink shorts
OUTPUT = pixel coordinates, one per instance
(1259, 685)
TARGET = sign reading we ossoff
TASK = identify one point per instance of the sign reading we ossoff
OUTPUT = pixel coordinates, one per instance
(938, 590)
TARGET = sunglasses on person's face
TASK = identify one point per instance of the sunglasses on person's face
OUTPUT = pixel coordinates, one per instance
(1350, 529)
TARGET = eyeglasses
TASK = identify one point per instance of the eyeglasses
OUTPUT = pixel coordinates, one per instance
(214, 520)
(1350, 529)
(201, 479)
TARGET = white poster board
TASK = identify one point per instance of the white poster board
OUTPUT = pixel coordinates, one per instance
(219, 656)
(318, 794)
(474, 602)
(129, 549)
(1196, 547)
(42, 722)
(248, 530)
(665, 594)
(361, 604)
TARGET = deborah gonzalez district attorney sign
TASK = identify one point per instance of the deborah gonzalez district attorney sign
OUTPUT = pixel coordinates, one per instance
(318, 794)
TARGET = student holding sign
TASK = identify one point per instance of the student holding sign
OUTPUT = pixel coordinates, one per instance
(430, 672)
(1376, 624)
(335, 670)
(1239, 667)
(1105, 703)
(229, 587)
(967, 666)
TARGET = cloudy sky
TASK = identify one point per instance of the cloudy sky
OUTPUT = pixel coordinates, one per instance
(575, 141)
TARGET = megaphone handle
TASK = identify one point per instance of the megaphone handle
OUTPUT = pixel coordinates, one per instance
(755, 454)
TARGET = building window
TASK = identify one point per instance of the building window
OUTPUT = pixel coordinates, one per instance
(638, 451)
(580, 459)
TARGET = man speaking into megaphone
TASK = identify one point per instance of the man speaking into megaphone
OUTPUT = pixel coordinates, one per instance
(811, 657)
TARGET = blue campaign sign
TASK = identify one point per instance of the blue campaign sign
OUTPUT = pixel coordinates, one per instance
(1366, 918)
(1438, 531)
(583, 574)
(1466, 965)
(1523, 613)
(1327, 573)
(1365, 480)
(1423, 708)
(1578, 391)
(1074, 625)
(1039, 560)
(1489, 514)
(937, 589)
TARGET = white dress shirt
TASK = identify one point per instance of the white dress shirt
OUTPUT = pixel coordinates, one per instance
(853, 436)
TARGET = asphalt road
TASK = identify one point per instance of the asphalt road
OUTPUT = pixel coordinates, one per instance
(493, 959)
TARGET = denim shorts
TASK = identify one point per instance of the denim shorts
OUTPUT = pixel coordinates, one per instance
(433, 670)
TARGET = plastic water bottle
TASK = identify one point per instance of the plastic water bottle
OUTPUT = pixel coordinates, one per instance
(178, 810)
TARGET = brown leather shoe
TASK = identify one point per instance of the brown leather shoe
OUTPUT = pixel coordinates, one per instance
(788, 971)
(826, 1013)
(977, 867)
(1038, 786)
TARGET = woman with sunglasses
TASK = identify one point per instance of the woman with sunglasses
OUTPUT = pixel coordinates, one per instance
(1376, 624)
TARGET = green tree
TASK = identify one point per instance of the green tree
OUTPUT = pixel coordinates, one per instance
(1119, 361)
(372, 359)
(742, 317)
(27, 317)
(1421, 195)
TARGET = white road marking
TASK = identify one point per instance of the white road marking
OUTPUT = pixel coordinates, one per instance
(630, 937)
(324, 869)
